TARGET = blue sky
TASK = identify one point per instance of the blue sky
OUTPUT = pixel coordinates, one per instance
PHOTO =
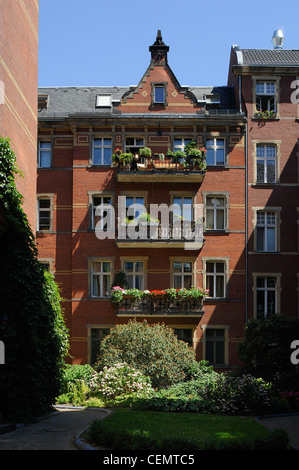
(101, 43)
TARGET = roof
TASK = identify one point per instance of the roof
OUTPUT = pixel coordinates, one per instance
(271, 57)
(61, 102)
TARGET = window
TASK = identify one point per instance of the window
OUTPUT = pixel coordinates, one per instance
(134, 271)
(43, 214)
(159, 94)
(96, 336)
(215, 279)
(184, 334)
(265, 96)
(103, 101)
(266, 231)
(266, 163)
(100, 278)
(179, 144)
(102, 151)
(134, 144)
(182, 274)
(215, 213)
(215, 151)
(215, 345)
(266, 296)
(134, 207)
(44, 154)
(102, 212)
(182, 208)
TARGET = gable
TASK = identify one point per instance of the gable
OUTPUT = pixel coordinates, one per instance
(159, 91)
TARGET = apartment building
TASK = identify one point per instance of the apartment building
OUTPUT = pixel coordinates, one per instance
(18, 92)
(266, 84)
(95, 176)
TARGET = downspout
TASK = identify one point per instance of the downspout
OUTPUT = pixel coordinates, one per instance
(246, 200)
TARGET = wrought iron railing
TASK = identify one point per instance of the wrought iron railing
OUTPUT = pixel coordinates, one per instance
(187, 231)
(160, 306)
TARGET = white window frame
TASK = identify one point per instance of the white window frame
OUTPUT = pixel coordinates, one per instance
(264, 92)
(216, 146)
(93, 209)
(215, 275)
(102, 146)
(266, 290)
(48, 150)
(215, 209)
(135, 146)
(265, 159)
(182, 145)
(182, 274)
(46, 197)
(266, 220)
(101, 274)
(134, 273)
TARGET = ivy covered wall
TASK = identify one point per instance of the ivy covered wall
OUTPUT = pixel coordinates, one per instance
(32, 325)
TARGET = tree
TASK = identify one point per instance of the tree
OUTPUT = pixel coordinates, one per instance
(32, 326)
(152, 349)
(266, 351)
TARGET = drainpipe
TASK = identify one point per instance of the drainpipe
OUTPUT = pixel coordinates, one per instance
(246, 199)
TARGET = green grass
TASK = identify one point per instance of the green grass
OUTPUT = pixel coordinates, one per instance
(192, 427)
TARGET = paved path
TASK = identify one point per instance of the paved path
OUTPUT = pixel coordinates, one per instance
(56, 432)
(288, 422)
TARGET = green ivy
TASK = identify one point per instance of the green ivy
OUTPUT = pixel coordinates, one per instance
(32, 324)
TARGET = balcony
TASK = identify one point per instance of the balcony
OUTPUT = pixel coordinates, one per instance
(187, 235)
(170, 302)
(178, 167)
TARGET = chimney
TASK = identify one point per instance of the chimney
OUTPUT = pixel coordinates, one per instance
(277, 39)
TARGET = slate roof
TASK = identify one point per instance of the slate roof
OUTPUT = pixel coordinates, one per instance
(271, 57)
(75, 101)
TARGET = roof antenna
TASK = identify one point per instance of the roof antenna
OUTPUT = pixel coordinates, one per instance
(277, 39)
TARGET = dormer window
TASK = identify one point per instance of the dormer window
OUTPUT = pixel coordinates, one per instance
(159, 94)
(266, 97)
(103, 101)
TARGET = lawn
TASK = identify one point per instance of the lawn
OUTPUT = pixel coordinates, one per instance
(192, 427)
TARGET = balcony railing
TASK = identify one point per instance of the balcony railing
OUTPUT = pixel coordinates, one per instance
(176, 234)
(159, 305)
(161, 171)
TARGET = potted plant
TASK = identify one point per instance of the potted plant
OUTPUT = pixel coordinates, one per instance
(116, 156)
(145, 152)
(179, 157)
(126, 158)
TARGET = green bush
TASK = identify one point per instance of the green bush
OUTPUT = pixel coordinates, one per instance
(74, 372)
(154, 350)
(266, 350)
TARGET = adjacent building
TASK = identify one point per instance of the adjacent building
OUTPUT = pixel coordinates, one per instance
(266, 89)
(218, 224)
(18, 92)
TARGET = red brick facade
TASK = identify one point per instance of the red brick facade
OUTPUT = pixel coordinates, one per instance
(18, 75)
(73, 178)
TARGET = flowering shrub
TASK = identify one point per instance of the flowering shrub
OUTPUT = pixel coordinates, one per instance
(235, 395)
(153, 349)
(118, 380)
